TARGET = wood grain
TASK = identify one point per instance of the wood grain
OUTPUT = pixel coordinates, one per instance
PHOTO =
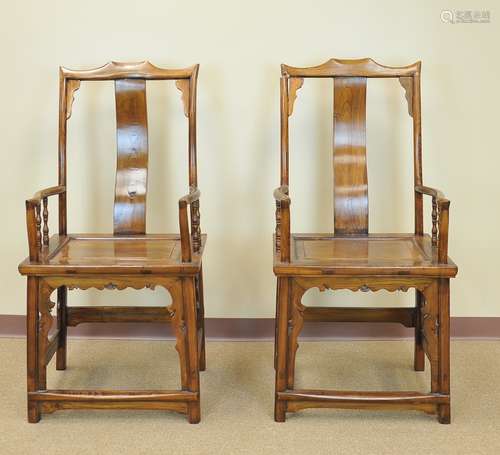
(364, 67)
(352, 258)
(128, 70)
(132, 161)
(127, 258)
(349, 156)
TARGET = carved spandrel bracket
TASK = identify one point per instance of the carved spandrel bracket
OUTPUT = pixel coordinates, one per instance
(176, 311)
(296, 320)
(367, 288)
(113, 283)
(364, 284)
(72, 85)
(295, 325)
(295, 85)
(183, 86)
(111, 286)
(430, 321)
(45, 323)
(46, 318)
(407, 84)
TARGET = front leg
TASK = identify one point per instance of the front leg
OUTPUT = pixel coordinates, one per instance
(281, 348)
(193, 371)
(201, 319)
(295, 324)
(62, 296)
(419, 356)
(45, 306)
(32, 347)
(444, 410)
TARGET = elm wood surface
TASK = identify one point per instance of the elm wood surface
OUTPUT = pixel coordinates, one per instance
(373, 254)
(127, 258)
(352, 258)
(349, 159)
(98, 253)
(132, 161)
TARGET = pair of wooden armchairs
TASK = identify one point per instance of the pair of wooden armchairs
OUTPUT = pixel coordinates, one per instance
(351, 258)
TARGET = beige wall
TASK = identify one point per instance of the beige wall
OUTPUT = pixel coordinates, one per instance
(240, 46)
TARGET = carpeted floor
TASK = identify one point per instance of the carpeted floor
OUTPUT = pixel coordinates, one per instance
(237, 401)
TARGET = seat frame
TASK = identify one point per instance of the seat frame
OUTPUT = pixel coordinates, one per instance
(430, 317)
(183, 280)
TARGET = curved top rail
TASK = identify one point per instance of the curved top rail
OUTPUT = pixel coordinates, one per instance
(364, 67)
(128, 70)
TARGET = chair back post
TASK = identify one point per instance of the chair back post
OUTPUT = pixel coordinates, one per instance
(284, 163)
(193, 169)
(417, 150)
(282, 240)
(61, 155)
(195, 217)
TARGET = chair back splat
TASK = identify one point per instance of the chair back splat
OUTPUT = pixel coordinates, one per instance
(129, 215)
(350, 179)
(132, 161)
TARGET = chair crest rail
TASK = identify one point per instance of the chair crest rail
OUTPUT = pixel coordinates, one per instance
(129, 70)
(364, 67)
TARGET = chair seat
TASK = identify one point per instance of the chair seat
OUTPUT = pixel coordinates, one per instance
(101, 253)
(374, 254)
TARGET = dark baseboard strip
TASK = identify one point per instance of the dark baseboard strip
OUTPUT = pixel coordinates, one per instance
(261, 329)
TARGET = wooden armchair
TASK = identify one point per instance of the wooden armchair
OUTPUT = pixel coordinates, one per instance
(127, 258)
(352, 258)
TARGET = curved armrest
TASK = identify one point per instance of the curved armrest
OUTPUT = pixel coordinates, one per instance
(34, 220)
(281, 194)
(440, 197)
(193, 195)
(439, 223)
(46, 192)
(282, 222)
(192, 199)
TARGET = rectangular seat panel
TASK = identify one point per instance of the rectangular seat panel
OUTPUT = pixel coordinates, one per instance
(117, 251)
(105, 253)
(382, 254)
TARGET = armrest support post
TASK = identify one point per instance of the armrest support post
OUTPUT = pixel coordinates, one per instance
(285, 231)
(444, 207)
(31, 224)
(36, 237)
(440, 217)
(282, 223)
(190, 242)
(184, 230)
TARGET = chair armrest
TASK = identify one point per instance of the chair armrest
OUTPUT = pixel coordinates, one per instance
(192, 199)
(440, 220)
(283, 202)
(34, 220)
(193, 195)
(431, 192)
(281, 194)
(46, 192)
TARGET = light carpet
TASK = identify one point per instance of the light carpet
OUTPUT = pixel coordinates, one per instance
(237, 401)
